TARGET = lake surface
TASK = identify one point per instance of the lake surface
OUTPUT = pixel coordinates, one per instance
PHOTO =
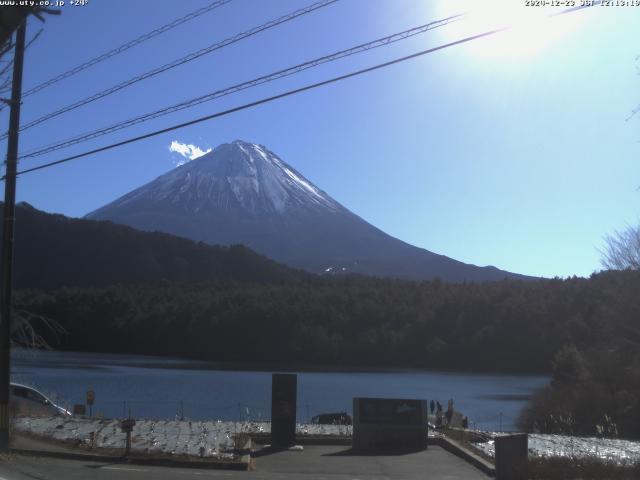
(166, 388)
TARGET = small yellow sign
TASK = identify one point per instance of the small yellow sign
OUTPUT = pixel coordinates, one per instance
(91, 397)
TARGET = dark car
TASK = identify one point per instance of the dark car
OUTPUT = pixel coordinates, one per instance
(341, 418)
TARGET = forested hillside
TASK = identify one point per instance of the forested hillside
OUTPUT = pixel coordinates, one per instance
(504, 326)
(54, 251)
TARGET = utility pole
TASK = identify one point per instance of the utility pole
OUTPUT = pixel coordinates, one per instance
(8, 222)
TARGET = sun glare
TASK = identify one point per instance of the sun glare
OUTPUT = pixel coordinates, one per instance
(530, 29)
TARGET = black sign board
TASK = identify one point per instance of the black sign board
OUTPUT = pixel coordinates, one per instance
(79, 409)
(389, 424)
(127, 425)
(283, 409)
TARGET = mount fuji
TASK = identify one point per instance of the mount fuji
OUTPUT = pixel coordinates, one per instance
(242, 193)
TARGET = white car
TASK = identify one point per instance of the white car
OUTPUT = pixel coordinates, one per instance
(28, 401)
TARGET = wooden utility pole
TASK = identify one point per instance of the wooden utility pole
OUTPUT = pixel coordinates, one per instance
(8, 222)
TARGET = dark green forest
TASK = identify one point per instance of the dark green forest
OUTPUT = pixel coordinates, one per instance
(586, 332)
(508, 326)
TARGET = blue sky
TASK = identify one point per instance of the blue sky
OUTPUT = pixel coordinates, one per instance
(513, 151)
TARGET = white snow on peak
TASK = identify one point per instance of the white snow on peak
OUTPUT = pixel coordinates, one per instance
(258, 149)
(234, 176)
(303, 183)
(248, 154)
(281, 189)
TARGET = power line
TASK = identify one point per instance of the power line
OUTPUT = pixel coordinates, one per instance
(245, 85)
(126, 46)
(259, 102)
(284, 94)
(180, 61)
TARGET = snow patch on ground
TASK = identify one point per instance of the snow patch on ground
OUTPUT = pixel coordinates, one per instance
(564, 446)
(201, 439)
(211, 439)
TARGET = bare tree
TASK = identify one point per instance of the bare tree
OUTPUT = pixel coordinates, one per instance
(24, 333)
(6, 65)
(10, 18)
(622, 249)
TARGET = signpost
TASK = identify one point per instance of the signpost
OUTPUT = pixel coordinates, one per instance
(91, 398)
(127, 427)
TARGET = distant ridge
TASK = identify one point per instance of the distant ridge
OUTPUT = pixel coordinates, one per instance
(55, 251)
(242, 193)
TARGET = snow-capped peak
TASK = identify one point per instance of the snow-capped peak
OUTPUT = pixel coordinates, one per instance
(238, 176)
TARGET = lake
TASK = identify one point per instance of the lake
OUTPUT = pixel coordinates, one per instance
(163, 388)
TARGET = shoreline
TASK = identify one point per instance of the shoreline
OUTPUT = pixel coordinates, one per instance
(186, 363)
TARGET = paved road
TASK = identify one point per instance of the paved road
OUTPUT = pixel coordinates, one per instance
(314, 463)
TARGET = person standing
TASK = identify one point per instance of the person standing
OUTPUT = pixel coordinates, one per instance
(449, 414)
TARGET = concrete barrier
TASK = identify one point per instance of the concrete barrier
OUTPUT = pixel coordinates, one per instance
(465, 453)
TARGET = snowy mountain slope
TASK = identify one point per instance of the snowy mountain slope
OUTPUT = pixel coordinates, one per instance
(244, 193)
(236, 177)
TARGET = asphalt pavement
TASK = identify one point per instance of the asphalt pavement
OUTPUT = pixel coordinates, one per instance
(317, 462)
